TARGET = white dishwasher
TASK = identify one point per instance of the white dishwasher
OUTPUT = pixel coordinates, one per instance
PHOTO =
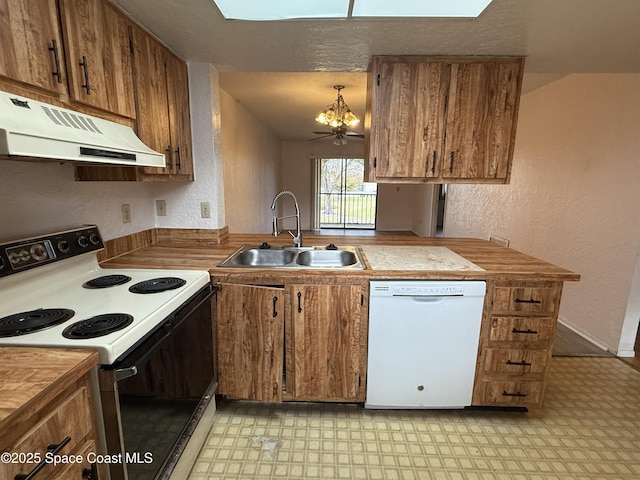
(423, 343)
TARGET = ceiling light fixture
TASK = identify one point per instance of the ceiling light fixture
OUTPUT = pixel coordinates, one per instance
(338, 114)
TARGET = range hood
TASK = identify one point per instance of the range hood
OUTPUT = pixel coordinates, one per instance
(33, 130)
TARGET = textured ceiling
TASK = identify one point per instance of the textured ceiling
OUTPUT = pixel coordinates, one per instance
(266, 65)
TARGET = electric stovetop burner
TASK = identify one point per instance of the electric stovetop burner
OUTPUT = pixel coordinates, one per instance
(156, 285)
(98, 326)
(33, 320)
(107, 281)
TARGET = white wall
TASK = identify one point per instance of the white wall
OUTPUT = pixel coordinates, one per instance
(37, 197)
(252, 165)
(574, 196)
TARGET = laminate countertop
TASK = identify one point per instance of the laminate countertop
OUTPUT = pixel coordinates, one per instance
(483, 259)
(31, 377)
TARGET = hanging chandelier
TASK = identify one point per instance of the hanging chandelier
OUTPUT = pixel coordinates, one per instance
(338, 114)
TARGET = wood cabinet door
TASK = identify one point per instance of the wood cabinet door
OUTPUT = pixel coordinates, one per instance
(179, 114)
(32, 50)
(250, 332)
(407, 124)
(481, 119)
(327, 339)
(150, 79)
(98, 55)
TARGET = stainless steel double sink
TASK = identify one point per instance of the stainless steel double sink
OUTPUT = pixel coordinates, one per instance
(254, 256)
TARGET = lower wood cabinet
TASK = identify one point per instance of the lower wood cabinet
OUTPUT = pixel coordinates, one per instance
(66, 427)
(516, 341)
(298, 341)
(250, 335)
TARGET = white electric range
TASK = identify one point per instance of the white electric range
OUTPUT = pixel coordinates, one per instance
(54, 293)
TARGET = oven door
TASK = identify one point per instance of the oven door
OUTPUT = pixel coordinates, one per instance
(158, 392)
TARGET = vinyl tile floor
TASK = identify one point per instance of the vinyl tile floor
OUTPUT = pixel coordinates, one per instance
(588, 429)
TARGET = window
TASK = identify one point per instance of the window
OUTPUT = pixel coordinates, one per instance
(342, 199)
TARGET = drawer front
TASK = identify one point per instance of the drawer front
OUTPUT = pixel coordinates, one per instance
(532, 332)
(499, 392)
(70, 418)
(515, 361)
(526, 299)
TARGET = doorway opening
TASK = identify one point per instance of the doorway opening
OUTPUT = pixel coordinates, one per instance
(343, 200)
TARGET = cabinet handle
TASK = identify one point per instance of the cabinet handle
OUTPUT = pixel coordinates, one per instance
(56, 59)
(299, 302)
(528, 331)
(177, 158)
(517, 394)
(451, 162)
(531, 300)
(54, 450)
(85, 67)
(275, 312)
(425, 133)
(433, 164)
(91, 473)
(522, 363)
(169, 156)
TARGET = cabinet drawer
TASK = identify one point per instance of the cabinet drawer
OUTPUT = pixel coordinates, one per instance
(515, 361)
(526, 299)
(499, 392)
(70, 418)
(532, 332)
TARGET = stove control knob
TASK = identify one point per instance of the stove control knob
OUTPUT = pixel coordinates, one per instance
(94, 239)
(83, 242)
(63, 246)
(38, 252)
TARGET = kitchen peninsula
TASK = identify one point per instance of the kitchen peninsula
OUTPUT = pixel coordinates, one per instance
(519, 314)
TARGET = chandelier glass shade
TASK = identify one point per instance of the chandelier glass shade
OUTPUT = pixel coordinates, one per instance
(338, 114)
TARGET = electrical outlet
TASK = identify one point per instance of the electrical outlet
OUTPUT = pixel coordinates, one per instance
(161, 208)
(126, 213)
(205, 210)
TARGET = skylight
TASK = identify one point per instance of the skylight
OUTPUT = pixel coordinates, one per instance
(314, 9)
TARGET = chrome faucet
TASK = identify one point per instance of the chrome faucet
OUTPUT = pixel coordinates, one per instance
(297, 238)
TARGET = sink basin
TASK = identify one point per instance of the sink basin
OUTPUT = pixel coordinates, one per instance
(326, 258)
(252, 256)
(255, 257)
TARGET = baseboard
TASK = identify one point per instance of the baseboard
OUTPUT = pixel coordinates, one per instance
(587, 337)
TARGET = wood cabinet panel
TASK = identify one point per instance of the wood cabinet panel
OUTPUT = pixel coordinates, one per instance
(32, 50)
(179, 116)
(327, 342)
(517, 361)
(250, 332)
(530, 299)
(406, 138)
(98, 55)
(534, 332)
(442, 119)
(516, 340)
(72, 415)
(510, 393)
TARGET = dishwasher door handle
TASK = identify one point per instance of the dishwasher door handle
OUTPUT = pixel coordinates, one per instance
(427, 298)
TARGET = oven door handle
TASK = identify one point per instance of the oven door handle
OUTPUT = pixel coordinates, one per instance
(122, 373)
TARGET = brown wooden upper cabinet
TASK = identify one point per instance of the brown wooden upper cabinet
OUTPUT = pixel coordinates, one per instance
(98, 55)
(441, 119)
(32, 51)
(162, 100)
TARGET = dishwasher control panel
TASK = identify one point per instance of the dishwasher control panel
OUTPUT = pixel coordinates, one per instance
(426, 288)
